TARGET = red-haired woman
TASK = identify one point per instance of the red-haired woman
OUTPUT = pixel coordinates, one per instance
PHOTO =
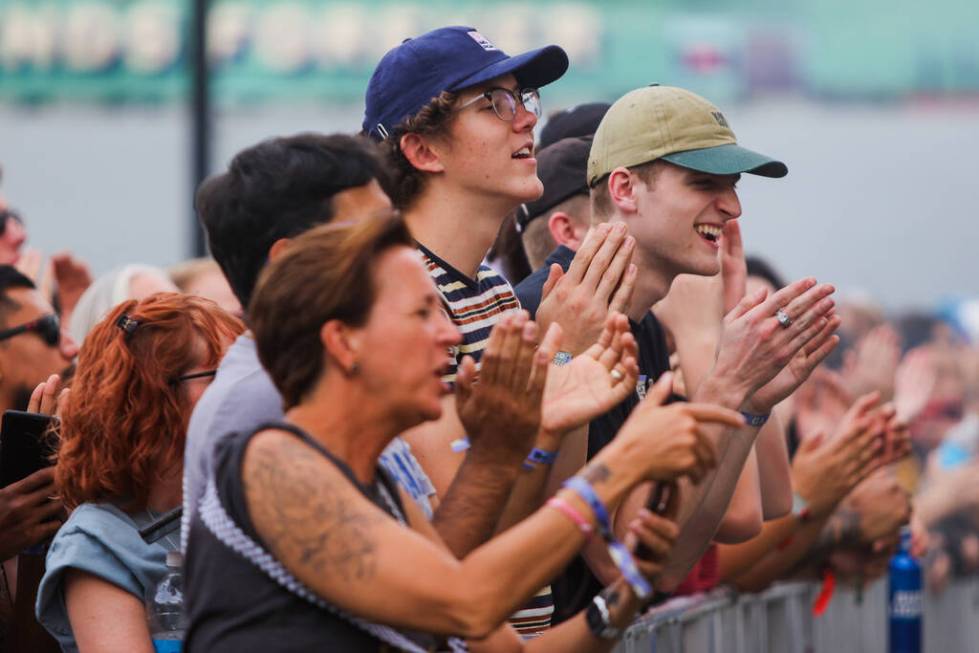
(120, 464)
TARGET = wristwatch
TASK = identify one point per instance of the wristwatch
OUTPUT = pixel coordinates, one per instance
(598, 620)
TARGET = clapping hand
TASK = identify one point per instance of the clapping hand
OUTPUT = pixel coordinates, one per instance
(594, 382)
(598, 282)
(502, 412)
(826, 469)
(770, 345)
(871, 365)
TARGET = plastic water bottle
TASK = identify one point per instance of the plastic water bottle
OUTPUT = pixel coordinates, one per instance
(164, 608)
(906, 601)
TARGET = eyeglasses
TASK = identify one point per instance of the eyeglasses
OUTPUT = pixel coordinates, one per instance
(46, 326)
(206, 374)
(504, 102)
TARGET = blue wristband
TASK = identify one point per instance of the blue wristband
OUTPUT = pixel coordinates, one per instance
(584, 490)
(755, 420)
(617, 551)
(539, 457)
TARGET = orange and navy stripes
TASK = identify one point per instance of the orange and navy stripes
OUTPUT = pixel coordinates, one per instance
(474, 306)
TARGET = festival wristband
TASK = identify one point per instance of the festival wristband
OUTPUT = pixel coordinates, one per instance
(539, 457)
(752, 419)
(459, 445)
(617, 551)
(568, 511)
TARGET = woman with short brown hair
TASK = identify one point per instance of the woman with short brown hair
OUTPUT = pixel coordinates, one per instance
(302, 542)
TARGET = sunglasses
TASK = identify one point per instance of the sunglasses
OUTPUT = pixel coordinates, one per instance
(46, 326)
(505, 102)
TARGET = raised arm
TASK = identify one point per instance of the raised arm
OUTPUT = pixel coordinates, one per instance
(352, 554)
(760, 362)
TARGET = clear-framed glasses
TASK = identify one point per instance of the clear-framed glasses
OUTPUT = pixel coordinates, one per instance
(504, 102)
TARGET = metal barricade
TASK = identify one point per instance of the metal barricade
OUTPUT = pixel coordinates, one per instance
(780, 620)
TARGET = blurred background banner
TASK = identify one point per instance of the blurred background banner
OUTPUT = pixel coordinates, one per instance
(288, 50)
(873, 105)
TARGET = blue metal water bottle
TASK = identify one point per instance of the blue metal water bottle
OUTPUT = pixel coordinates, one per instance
(906, 600)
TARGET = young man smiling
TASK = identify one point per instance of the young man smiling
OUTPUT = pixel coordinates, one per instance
(663, 167)
(665, 163)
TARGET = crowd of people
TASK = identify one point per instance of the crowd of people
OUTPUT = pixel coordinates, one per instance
(446, 388)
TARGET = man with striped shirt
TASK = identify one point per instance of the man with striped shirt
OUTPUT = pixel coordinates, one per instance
(456, 117)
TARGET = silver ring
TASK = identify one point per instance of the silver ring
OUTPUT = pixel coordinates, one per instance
(616, 375)
(783, 318)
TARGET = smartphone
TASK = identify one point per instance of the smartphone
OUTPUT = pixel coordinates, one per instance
(25, 445)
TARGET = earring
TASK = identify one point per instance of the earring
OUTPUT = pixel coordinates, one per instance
(354, 369)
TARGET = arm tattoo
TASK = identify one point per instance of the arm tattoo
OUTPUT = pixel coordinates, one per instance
(596, 473)
(305, 520)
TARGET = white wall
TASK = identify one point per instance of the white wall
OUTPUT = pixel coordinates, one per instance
(880, 199)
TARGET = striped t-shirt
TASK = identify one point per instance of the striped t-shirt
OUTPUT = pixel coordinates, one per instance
(474, 306)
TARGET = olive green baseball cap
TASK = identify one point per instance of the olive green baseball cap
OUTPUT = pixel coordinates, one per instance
(673, 124)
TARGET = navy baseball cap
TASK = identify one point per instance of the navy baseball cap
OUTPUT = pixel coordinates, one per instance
(410, 75)
(580, 120)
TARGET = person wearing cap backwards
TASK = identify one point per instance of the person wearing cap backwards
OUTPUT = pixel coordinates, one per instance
(456, 117)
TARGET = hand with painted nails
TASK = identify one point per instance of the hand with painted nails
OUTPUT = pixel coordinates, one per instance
(502, 410)
(594, 382)
(600, 281)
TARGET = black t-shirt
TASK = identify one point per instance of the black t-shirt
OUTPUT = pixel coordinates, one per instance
(576, 586)
(233, 606)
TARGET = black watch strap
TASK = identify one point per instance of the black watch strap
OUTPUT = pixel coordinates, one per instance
(599, 621)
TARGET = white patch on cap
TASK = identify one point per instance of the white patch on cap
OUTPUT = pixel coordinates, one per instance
(483, 42)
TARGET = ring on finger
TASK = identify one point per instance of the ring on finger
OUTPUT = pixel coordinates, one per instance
(616, 374)
(783, 318)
